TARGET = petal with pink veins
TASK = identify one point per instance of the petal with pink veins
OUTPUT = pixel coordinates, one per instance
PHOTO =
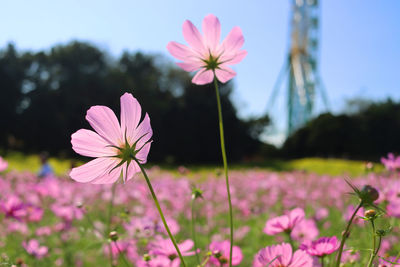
(105, 123)
(189, 66)
(234, 41)
(231, 59)
(130, 114)
(95, 169)
(211, 31)
(193, 37)
(224, 73)
(90, 144)
(143, 131)
(203, 77)
(142, 154)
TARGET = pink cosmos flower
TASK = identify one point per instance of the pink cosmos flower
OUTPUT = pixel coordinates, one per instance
(33, 248)
(282, 256)
(321, 247)
(3, 164)
(164, 247)
(284, 223)
(158, 261)
(206, 54)
(392, 163)
(305, 230)
(115, 146)
(220, 252)
(13, 207)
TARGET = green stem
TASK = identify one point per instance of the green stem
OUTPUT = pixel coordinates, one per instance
(371, 258)
(371, 261)
(121, 254)
(290, 239)
(322, 261)
(345, 234)
(193, 219)
(110, 210)
(161, 213)
(221, 134)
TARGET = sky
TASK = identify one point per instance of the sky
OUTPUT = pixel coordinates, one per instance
(359, 40)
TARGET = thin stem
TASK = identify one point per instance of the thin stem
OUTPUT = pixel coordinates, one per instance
(161, 213)
(290, 239)
(371, 258)
(371, 261)
(221, 134)
(110, 210)
(322, 261)
(397, 258)
(205, 261)
(121, 254)
(193, 219)
(345, 234)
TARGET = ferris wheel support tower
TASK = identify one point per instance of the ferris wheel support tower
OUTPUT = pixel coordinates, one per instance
(301, 66)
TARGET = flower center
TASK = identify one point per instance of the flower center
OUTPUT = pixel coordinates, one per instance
(127, 152)
(212, 62)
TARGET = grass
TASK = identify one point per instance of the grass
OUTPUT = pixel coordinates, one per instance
(21, 162)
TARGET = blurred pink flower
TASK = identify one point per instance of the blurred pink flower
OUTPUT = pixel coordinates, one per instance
(121, 246)
(305, 230)
(158, 261)
(114, 145)
(282, 256)
(13, 207)
(321, 247)
(284, 223)
(205, 54)
(392, 163)
(220, 252)
(33, 248)
(67, 212)
(3, 164)
(164, 247)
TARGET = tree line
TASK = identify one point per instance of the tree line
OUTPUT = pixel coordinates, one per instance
(45, 96)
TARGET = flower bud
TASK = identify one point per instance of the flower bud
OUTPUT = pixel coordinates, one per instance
(370, 214)
(369, 194)
(113, 236)
(146, 257)
(197, 193)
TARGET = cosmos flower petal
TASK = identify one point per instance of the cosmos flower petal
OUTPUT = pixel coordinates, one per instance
(130, 114)
(105, 123)
(189, 66)
(301, 259)
(90, 144)
(193, 37)
(143, 131)
(231, 59)
(180, 51)
(224, 73)
(286, 254)
(203, 77)
(211, 31)
(142, 154)
(94, 169)
(234, 41)
(133, 168)
(186, 245)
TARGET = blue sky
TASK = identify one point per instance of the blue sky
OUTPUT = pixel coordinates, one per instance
(359, 52)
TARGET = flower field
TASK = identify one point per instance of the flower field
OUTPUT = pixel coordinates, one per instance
(55, 221)
(116, 210)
